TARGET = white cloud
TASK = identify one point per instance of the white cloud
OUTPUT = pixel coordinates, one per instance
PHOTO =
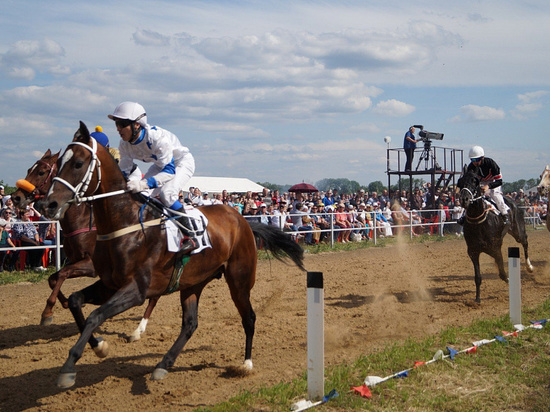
(530, 104)
(394, 108)
(25, 57)
(475, 113)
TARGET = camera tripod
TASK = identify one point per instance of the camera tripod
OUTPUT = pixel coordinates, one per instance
(425, 155)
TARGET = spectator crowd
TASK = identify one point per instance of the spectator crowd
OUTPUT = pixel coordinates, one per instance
(310, 217)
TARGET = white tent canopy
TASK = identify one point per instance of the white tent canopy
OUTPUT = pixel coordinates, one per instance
(218, 184)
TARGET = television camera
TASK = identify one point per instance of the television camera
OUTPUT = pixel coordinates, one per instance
(427, 138)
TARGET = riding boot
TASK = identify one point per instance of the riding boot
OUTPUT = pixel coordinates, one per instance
(189, 242)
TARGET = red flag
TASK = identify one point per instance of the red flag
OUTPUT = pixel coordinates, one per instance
(473, 349)
(514, 333)
(362, 390)
(418, 363)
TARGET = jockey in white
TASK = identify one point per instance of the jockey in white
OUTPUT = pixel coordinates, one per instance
(173, 164)
(491, 179)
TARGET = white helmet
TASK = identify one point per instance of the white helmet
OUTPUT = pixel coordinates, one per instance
(130, 111)
(475, 152)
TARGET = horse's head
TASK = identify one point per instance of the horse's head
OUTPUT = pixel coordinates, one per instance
(77, 176)
(38, 181)
(544, 181)
(469, 188)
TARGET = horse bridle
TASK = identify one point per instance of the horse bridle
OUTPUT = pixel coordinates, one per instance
(82, 187)
(470, 194)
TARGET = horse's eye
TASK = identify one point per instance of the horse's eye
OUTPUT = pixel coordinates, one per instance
(41, 173)
(78, 164)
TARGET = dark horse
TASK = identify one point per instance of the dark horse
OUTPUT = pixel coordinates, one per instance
(484, 230)
(135, 264)
(79, 236)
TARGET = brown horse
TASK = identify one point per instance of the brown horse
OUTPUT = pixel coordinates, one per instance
(134, 263)
(79, 236)
(543, 187)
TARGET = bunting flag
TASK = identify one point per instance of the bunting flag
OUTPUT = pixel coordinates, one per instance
(501, 339)
(452, 353)
(304, 404)
(331, 394)
(371, 381)
(362, 390)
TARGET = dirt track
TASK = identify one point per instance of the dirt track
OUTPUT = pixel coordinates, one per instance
(372, 296)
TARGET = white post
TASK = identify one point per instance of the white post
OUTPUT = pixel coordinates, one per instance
(514, 282)
(315, 336)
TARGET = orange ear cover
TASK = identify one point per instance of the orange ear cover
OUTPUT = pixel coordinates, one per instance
(25, 185)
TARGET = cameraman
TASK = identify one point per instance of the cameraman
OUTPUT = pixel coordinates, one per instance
(409, 144)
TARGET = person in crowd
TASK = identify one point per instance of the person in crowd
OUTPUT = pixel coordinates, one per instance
(341, 221)
(488, 172)
(218, 199)
(172, 163)
(456, 214)
(9, 216)
(253, 215)
(25, 232)
(384, 199)
(306, 225)
(206, 201)
(7, 260)
(409, 144)
(8, 203)
(381, 221)
(2, 194)
(363, 218)
(265, 217)
(328, 200)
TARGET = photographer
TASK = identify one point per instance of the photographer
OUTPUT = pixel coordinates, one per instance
(409, 144)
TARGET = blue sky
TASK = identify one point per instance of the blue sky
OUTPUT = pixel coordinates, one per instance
(281, 91)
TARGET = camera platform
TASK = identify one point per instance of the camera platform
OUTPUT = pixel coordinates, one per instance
(440, 166)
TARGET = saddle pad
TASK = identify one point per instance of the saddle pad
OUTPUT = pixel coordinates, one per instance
(174, 236)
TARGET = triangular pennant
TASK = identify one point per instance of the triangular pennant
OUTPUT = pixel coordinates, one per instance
(362, 390)
(373, 380)
(501, 339)
(452, 352)
(331, 394)
(403, 374)
(418, 363)
(438, 355)
(473, 349)
(539, 322)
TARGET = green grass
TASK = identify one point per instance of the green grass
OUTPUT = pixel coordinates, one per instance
(511, 376)
(24, 276)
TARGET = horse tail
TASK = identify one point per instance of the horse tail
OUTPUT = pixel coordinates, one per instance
(278, 243)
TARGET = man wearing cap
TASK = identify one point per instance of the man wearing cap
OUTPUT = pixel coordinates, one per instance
(265, 218)
(172, 163)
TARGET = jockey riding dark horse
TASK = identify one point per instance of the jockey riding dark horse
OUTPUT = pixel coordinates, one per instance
(484, 230)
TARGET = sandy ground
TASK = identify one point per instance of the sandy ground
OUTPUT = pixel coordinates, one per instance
(372, 296)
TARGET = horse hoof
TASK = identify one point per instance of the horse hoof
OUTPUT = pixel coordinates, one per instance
(248, 365)
(159, 374)
(530, 267)
(46, 321)
(134, 337)
(102, 349)
(66, 380)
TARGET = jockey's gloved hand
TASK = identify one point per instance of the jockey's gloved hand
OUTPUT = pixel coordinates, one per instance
(136, 186)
